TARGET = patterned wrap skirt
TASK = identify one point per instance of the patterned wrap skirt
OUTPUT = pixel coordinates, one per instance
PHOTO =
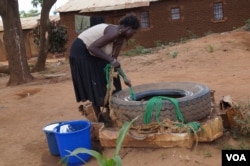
(88, 75)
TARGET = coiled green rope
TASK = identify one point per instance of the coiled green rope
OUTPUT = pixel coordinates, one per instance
(156, 102)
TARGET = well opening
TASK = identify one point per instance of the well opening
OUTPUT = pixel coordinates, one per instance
(146, 95)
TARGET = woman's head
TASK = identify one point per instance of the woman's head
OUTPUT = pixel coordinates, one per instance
(129, 23)
(130, 20)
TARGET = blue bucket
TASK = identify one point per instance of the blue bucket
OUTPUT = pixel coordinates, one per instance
(71, 135)
(49, 131)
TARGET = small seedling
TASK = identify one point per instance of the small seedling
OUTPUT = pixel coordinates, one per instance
(102, 160)
(207, 154)
(173, 54)
(210, 48)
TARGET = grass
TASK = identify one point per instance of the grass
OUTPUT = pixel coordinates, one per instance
(173, 54)
(242, 127)
(248, 25)
(137, 50)
(210, 48)
(207, 154)
(240, 133)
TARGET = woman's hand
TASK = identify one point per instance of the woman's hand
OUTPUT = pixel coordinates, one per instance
(115, 63)
(125, 78)
(128, 83)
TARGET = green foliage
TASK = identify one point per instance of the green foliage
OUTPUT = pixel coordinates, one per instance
(228, 147)
(135, 51)
(192, 35)
(241, 143)
(158, 43)
(248, 25)
(101, 159)
(210, 48)
(173, 54)
(35, 3)
(141, 50)
(131, 42)
(30, 13)
(36, 35)
(207, 154)
(243, 123)
(183, 40)
(208, 33)
(57, 37)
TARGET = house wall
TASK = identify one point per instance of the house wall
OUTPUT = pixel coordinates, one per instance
(31, 48)
(196, 19)
(3, 56)
(68, 19)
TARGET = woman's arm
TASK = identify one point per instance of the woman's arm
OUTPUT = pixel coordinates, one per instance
(117, 47)
(110, 34)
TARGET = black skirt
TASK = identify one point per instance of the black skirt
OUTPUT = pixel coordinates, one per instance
(88, 75)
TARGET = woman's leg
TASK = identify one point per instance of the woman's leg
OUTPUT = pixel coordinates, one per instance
(98, 114)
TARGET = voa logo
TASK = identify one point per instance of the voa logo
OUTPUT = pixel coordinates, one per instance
(236, 157)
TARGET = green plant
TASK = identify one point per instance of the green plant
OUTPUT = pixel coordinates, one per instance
(164, 156)
(131, 42)
(173, 54)
(135, 51)
(248, 25)
(57, 37)
(101, 159)
(210, 48)
(158, 43)
(208, 33)
(244, 146)
(207, 154)
(191, 35)
(228, 147)
(242, 122)
(183, 40)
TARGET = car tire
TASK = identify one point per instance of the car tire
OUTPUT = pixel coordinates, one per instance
(194, 101)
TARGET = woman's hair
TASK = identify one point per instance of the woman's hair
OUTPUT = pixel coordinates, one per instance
(130, 20)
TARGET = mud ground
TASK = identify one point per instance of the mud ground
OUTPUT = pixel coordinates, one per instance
(220, 61)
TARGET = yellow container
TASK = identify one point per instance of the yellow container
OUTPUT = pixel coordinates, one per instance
(211, 129)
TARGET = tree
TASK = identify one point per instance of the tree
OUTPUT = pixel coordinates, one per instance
(30, 13)
(57, 37)
(44, 30)
(14, 43)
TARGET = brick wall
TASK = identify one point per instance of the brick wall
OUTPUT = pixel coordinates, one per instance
(196, 18)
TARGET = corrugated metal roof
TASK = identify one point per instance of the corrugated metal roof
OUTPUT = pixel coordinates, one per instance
(30, 22)
(101, 5)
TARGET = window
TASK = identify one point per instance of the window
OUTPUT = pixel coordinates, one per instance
(175, 13)
(144, 20)
(218, 11)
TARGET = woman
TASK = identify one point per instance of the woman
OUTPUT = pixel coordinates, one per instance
(91, 51)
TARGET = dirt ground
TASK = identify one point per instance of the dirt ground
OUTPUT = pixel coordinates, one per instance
(220, 61)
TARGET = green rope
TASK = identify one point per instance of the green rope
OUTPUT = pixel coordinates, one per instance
(132, 93)
(107, 70)
(193, 125)
(125, 78)
(157, 102)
